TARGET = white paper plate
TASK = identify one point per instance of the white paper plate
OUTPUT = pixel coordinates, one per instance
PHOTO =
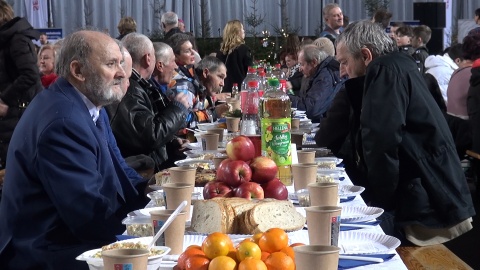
(358, 242)
(191, 162)
(198, 152)
(353, 214)
(345, 191)
(194, 145)
(97, 263)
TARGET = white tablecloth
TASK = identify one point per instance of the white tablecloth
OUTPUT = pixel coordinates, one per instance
(394, 263)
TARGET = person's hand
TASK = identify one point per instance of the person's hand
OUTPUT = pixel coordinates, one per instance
(3, 108)
(223, 96)
(221, 109)
(183, 99)
(289, 85)
(183, 143)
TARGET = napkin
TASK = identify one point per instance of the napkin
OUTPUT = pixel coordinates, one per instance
(347, 199)
(347, 264)
(345, 227)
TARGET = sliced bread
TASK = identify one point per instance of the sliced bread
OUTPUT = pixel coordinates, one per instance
(209, 216)
(274, 214)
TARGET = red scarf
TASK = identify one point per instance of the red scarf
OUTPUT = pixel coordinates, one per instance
(48, 79)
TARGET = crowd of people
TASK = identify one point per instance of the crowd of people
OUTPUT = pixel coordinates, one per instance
(75, 150)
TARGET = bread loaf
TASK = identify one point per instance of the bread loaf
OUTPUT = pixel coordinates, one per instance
(242, 216)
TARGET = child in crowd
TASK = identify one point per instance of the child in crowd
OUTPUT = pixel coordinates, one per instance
(404, 36)
(421, 36)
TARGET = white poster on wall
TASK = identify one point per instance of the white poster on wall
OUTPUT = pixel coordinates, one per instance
(37, 13)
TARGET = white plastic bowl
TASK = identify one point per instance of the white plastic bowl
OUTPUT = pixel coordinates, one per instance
(97, 263)
(206, 126)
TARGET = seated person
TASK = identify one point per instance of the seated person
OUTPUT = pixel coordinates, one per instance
(145, 121)
(212, 73)
(46, 64)
(68, 177)
(323, 73)
(294, 75)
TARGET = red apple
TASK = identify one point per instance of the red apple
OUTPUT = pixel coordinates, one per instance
(240, 148)
(236, 172)
(221, 169)
(214, 189)
(275, 189)
(249, 190)
(264, 169)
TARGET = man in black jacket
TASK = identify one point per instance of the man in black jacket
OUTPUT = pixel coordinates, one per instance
(402, 142)
(144, 122)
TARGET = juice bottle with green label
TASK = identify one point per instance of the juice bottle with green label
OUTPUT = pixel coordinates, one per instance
(275, 117)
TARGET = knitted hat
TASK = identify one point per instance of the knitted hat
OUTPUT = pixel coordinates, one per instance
(325, 45)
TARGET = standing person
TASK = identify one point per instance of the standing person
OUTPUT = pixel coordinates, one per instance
(403, 143)
(125, 26)
(43, 39)
(382, 17)
(393, 29)
(459, 83)
(333, 16)
(67, 177)
(46, 65)
(421, 36)
(19, 76)
(169, 22)
(404, 36)
(234, 54)
(145, 122)
(442, 68)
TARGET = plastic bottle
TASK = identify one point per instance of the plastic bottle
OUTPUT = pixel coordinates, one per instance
(250, 125)
(278, 72)
(275, 118)
(251, 76)
(234, 90)
(262, 83)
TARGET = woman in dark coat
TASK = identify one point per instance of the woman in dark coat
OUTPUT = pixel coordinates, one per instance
(19, 75)
(234, 54)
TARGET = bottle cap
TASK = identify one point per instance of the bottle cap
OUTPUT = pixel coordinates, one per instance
(273, 82)
(252, 70)
(252, 84)
(261, 74)
(235, 84)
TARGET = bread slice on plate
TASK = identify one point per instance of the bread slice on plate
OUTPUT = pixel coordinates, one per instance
(275, 214)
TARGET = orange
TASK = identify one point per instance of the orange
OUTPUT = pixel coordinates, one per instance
(249, 239)
(280, 261)
(222, 263)
(232, 253)
(248, 249)
(190, 251)
(252, 264)
(265, 255)
(216, 244)
(289, 252)
(197, 262)
(273, 240)
(256, 237)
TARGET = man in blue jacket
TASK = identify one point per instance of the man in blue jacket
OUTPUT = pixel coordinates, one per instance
(67, 188)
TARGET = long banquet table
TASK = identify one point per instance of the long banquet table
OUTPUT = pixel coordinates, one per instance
(394, 263)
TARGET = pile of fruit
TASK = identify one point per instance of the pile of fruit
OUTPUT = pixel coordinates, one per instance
(262, 251)
(244, 175)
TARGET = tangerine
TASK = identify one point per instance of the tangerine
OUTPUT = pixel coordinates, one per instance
(252, 264)
(257, 237)
(190, 251)
(265, 255)
(222, 263)
(217, 244)
(197, 262)
(289, 251)
(279, 261)
(273, 240)
(248, 249)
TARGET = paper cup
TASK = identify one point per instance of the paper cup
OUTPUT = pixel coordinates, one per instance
(115, 259)
(303, 174)
(218, 131)
(173, 236)
(183, 174)
(234, 105)
(233, 124)
(210, 141)
(310, 257)
(295, 123)
(323, 194)
(176, 193)
(323, 224)
(306, 156)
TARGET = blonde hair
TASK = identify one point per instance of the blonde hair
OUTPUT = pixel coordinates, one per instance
(231, 36)
(6, 12)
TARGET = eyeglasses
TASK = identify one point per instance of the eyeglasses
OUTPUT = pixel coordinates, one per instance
(189, 51)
